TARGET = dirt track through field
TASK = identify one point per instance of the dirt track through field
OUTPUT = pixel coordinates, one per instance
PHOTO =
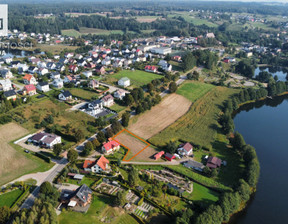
(135, 145)
(161, 116)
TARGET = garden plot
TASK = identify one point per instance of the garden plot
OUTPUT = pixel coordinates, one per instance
(169, 177)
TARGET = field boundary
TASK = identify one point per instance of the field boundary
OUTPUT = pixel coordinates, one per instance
(125, 130)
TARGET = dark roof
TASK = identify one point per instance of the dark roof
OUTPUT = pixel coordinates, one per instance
(82, 192)
(95, 102)
(194, 164)
(213, 162)
(168, 155)
(9, 93)
(43, 83)
(66, 93)
(37, 137)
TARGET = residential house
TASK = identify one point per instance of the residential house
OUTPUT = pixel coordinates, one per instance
(95, 105)
(150, 68)
(32, 69)
(10, 95)
(43, 71)
(43, 86)
(93, 84)
(29, 79)
(73, 68)
(22, 68)
(51, 65)
(165, 66)
(78, 56)
(29, 90)
(69, 78)
(81, 197)
(65, 96)
(194, 165)
(108, 100)
(98, 166)
(63, 61)
(106, 62)
(90, 65)
(87, 74)
(15, 64)
(8, 60)
(6, 74)
(176, 58)
(45, 140)
(110, 147)
(58, 83)
(81, 62)
(69, 55)
(60, 67)
(161, 50)
(185, 149)
(125, 82)
(169, 156)
(119, 94)
(34, 60)
(213, 162)
(158, 155)
(6, 85)
(100, 70)
(55, 75)
(210, 35)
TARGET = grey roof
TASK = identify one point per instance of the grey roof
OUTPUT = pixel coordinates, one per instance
(194, 164)
(66, 93)
(9, 93)
(43, 83)
(82, 192)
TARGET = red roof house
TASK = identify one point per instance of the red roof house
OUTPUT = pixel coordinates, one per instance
(102, 163)
(169, 156)
(30, 90)
(159, 155)
(150, 68)
(88, 164)
(110, 146)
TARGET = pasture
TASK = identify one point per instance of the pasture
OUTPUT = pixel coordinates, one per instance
(137, 78)
(193, 90)
(139, 150)
(199, 125)
(22, 162)
(159, 117)
(7, 199)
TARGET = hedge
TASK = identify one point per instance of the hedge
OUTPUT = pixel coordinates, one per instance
(42, 156)
(20, 197)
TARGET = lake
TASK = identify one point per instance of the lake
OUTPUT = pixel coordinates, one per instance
(264, 125)
(280, 72)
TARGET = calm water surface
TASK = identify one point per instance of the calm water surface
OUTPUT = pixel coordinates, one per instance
(264, 125)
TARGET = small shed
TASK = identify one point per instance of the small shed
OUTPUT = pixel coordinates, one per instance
(78, 177)
(159, 155)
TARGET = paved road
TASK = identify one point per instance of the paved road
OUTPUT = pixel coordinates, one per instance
(47, 176)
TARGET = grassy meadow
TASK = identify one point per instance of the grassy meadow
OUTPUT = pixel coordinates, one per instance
(7, 199)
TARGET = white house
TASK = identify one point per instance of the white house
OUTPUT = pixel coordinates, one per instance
(65, 96)
(29, 79)
(55, 75)
(42, 71)
(46, 140)
(43, 86)
(6, 85)
(8, 60)
(125, 82)
(87, 74)
(120, 93)
(58, 83)
(185, 149)
(161, 50)
(108, 100)
(110, 147)
(98, 166)
(6, 74)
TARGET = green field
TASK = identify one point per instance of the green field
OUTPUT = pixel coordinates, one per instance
(118, 108)
(201, 193)
(193, 18)
(194, 90)
(199, 125)
(83, 94)
(137, 78)
(86, 30)
(99, 209)
(9, 198)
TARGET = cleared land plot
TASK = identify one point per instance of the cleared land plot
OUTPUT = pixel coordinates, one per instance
(86, 30)
(148, 19)
(56, 48)
(159, 117)
(199, 125)
(22, 164)
(194, 90)
(135, 146)
(137, 78)
(9, 198)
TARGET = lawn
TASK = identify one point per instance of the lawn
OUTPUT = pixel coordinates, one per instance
(23, 163)
(71, 33)
(86, 30)
(137, 78)
(56, 48)
(199, 125)
(201, 193)
(118, 108)
(83, 94)
(99, 209)
(193, 90)
(9, 198)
